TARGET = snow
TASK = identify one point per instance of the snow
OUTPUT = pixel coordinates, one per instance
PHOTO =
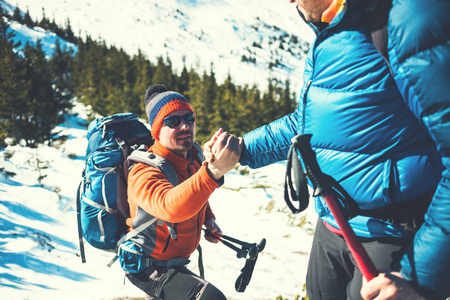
(39, 239)
(48, 39)
(197, 32)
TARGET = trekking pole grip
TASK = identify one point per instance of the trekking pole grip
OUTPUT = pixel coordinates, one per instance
(322, 188)
(313, 171)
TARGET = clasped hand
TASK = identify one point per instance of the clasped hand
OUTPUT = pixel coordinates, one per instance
(222, 153)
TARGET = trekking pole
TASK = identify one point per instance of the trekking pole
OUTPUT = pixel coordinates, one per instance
(248, 251)
(322, 188)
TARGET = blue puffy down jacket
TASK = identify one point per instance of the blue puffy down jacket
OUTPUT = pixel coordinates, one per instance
(419, 54)
(381, 148)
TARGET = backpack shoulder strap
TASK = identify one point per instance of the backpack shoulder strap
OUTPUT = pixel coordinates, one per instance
(141, 155)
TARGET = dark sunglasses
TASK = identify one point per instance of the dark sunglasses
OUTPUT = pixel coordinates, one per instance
(174, 121)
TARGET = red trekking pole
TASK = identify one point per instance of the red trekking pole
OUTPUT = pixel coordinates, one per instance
(322, 188)
(363, 261)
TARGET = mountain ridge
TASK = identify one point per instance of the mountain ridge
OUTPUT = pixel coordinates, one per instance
(243, 39)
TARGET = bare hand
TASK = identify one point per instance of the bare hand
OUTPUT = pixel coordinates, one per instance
(226, 153)
(207, 147)
(211, 224)
(389, 286)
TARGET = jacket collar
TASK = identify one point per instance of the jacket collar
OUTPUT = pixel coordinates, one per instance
(351, 7)
(176, 160)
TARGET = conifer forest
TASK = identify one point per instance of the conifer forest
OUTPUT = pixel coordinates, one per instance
(36, 91)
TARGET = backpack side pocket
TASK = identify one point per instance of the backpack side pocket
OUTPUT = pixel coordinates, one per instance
(99, 198)
(131, 257)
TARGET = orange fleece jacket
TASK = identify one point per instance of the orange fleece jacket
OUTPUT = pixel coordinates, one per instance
(185, 204)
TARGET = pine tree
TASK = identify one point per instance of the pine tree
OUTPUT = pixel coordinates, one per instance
(53, 27)
(44, 22)
(224, 112)
(61, 67)
(79, 68)
(192, 94)
(114, 100)
(27, 21)
(183, 81)
(13, 85)
(41, 113)
(287, 103)
(163, 73)
(269, 103)
(206, 97)
(88, 75)
(254, 104)
(68, 33)
(144, 72)
(17, 15)
(247, 109)
(195, 96)
(112, 67)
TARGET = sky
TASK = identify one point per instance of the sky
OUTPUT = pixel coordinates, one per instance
(38, 229)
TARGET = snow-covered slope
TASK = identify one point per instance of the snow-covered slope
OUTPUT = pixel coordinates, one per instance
(223, 32)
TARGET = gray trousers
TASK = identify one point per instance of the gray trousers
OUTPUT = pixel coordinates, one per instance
(177, 283)
(332, 271)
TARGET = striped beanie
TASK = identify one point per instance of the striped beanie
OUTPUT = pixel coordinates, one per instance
(159, 103)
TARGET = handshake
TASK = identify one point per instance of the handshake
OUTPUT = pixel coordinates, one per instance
(222, 153)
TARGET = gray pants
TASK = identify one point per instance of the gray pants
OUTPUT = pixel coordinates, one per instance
(177, 283)
(332, 272)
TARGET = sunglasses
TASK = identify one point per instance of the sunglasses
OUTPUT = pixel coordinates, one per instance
(174, 121)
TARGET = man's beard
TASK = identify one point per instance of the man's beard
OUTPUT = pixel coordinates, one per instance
(186, 144)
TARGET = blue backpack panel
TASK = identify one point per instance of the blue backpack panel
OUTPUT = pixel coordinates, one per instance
(102, 206)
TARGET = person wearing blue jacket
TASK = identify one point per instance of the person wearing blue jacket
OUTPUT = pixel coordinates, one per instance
(381, 127)
(418, 35)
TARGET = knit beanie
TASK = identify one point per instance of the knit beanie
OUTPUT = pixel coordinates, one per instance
(159, 103)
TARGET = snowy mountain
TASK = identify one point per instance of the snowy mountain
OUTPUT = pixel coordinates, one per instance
(38, 229)
(251, 40)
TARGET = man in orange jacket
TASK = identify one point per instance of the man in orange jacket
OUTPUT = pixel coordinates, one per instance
(156, 257)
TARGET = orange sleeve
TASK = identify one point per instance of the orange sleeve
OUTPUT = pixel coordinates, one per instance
(149, 189)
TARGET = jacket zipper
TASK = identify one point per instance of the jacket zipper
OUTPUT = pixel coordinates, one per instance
(304, 105)
(169, 238)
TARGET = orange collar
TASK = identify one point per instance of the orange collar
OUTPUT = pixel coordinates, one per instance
(176, 160)
(333, 10)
